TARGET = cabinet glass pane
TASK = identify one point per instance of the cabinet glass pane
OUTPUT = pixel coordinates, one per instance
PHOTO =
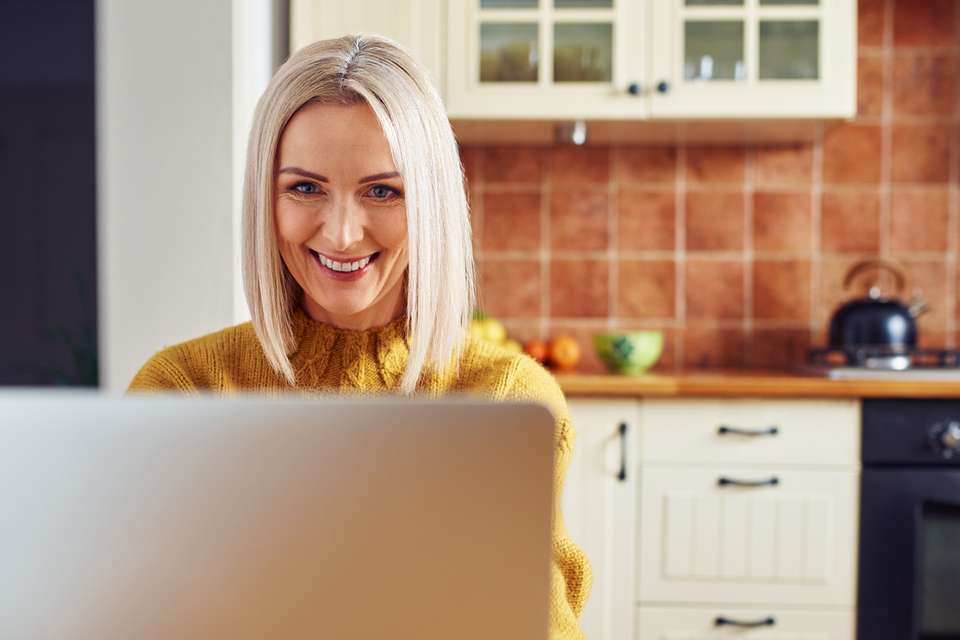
(508, 52)
(782, 2)
(582, 52)
(583, 4)
(789, 50)
(713, 50)
(508, 4)
(714, 3)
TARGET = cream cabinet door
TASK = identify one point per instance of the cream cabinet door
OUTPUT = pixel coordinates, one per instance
(754, 58)
(547, 59)
(598, 505)
(417, 24)
(716, 623)
(750, 536)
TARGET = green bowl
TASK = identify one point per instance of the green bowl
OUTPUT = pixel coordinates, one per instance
(630, 353)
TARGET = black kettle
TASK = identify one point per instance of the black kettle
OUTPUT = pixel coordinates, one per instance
(875, 325)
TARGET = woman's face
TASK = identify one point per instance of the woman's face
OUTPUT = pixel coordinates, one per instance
(340, 216)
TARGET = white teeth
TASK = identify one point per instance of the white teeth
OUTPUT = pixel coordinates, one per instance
(344, 266)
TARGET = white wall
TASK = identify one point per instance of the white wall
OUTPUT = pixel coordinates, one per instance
(167, 170)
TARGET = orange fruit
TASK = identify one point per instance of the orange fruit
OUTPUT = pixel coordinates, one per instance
(536, 349)
(564, 352)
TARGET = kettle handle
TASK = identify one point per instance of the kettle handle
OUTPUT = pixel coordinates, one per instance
(860, 267)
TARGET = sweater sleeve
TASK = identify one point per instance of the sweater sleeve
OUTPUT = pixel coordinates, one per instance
(571, 576)
(163, 372)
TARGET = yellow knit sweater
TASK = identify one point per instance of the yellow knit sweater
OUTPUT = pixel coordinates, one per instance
(332, 359)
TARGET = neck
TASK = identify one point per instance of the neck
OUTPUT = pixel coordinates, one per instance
(391, 306)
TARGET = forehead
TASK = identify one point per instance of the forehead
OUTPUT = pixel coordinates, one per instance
(320, 137)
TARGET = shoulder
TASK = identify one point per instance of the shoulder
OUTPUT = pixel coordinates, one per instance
(508, 375)
(198, 363)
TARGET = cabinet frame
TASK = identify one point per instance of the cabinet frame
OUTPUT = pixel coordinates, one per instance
(468, 98)
(598, 510)
(832, 96)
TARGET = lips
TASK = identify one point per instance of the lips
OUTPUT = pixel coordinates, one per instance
(343, 274)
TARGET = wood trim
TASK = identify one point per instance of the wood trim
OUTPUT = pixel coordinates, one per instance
(750, 385)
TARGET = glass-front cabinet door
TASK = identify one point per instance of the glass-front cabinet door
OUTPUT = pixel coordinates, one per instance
(546, 58)
(753, 58)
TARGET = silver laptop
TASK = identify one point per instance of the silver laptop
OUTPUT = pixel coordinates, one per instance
(163, 516)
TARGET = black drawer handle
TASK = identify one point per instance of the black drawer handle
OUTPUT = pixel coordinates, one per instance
(736, 431)
(724, 481)
(766, 622)
(622, 476)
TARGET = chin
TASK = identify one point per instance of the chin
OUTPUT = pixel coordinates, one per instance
(342, 305)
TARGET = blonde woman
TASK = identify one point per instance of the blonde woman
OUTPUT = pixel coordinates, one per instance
(358, 267)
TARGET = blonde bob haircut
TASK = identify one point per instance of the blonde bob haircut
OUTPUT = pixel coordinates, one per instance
(440, 277)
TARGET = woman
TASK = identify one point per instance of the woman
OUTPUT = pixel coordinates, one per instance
(358, 264)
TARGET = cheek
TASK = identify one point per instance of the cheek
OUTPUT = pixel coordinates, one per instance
(291, 225)
(392, 231)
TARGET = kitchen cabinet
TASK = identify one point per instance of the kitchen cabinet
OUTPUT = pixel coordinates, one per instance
(652, 59)
(417, 24)
(598, 506)
(748, 502)
(754, 58)
(546, 59)
(663, 623)
(648, 61)
(778, 432)
(737, 510)
(747, 536)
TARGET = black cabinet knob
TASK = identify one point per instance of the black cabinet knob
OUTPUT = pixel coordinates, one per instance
(663, 86)
(634, 89)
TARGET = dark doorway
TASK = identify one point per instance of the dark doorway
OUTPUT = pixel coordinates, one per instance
(48, 323)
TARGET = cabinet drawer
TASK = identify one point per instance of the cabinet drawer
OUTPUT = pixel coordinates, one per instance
(688, 623)
(706, 538)
(802, 432)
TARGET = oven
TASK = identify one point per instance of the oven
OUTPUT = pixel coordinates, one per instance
(909, 562)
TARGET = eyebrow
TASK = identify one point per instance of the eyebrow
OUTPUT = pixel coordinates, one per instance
(320, 178)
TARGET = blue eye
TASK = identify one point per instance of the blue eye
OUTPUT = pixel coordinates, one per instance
(383, 192)
(305, 188)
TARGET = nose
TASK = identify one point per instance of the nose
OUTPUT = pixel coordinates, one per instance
(343, 226)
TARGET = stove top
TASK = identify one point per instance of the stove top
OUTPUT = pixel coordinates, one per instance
(863, 373)
(881, 363)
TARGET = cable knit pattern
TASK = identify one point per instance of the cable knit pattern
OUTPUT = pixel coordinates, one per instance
(330, 359)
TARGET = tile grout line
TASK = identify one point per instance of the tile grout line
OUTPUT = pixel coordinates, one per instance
(545, 255)
(680, 262)
(886, 131)
(706, 256)
(613, 269)
(478, 197)
(816, 223)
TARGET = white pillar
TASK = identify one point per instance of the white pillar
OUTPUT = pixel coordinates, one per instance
(176, 81)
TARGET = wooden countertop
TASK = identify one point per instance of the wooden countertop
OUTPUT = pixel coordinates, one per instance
(749, 384)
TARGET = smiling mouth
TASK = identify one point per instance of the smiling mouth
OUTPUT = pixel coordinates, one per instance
(344, 267)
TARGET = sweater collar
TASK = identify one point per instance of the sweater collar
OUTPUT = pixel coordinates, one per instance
(321, 345)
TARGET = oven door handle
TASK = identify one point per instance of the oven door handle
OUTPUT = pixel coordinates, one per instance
(721, 621)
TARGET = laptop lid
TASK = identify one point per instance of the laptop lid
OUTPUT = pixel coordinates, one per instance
(162, 516)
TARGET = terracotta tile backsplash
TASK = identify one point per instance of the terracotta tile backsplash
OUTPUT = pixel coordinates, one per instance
(738, 253)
